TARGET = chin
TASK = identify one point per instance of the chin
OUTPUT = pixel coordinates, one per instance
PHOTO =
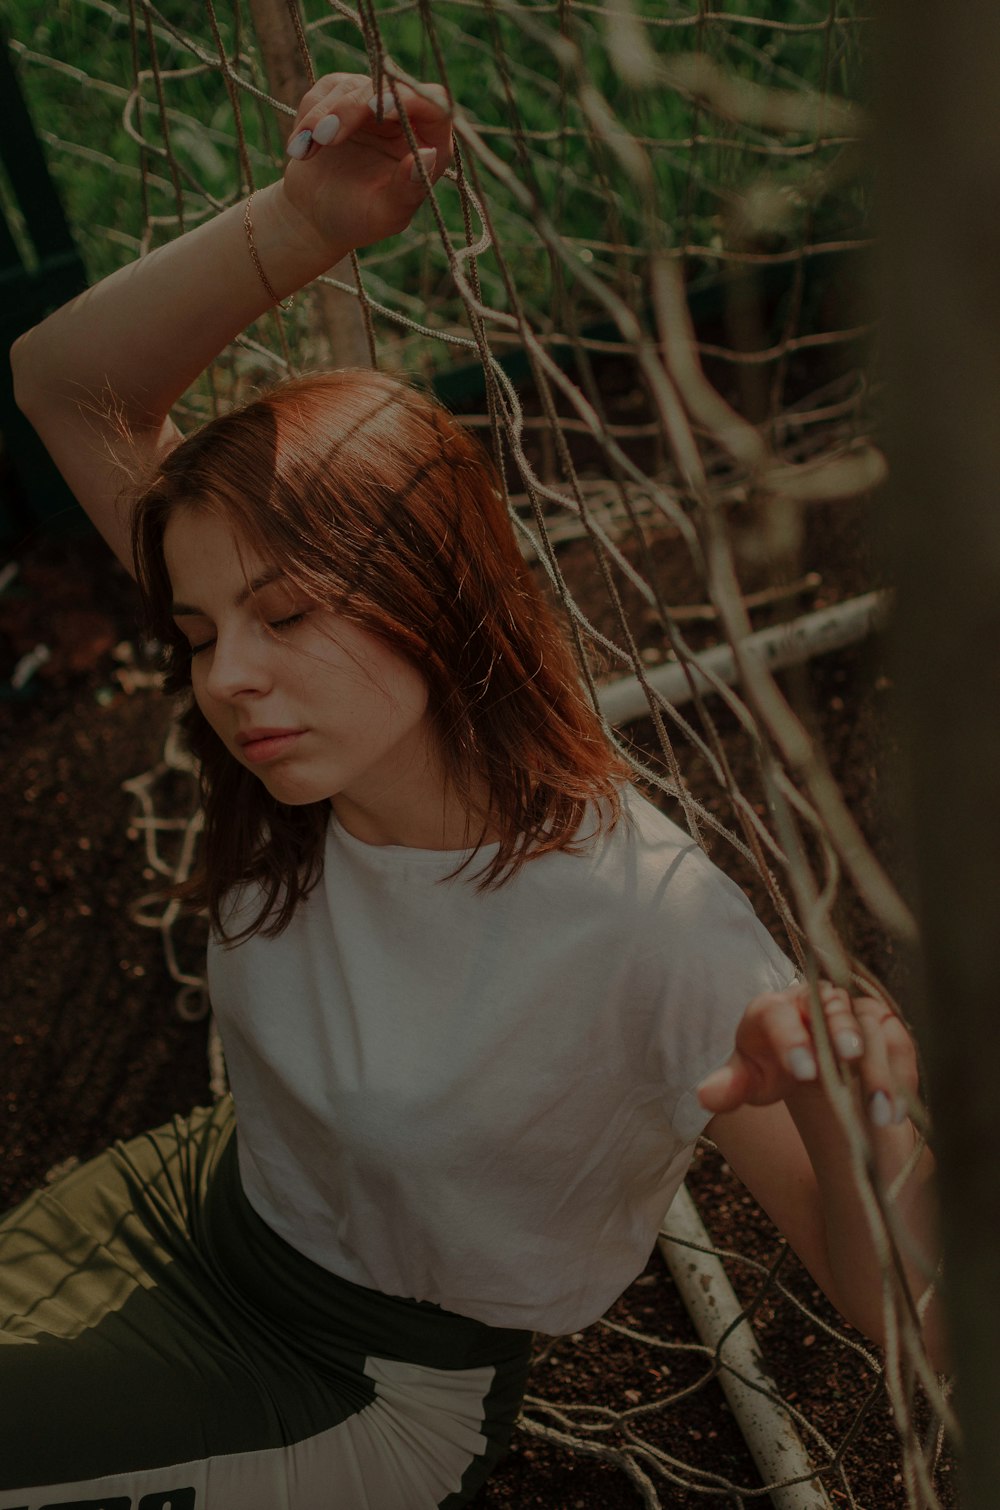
(295, 793)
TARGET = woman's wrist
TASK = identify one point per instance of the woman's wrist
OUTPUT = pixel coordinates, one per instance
(290, 250)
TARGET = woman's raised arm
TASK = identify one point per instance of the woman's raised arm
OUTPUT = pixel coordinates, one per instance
(98, 378)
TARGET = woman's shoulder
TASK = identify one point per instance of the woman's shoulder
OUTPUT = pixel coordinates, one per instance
(619, 864)
(651, 828)
(648, 846)
(699, 923)
(661, 873)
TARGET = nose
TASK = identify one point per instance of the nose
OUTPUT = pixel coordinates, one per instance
(238, 666)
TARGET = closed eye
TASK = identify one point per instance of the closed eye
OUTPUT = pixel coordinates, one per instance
(294, 618)
(287, 623)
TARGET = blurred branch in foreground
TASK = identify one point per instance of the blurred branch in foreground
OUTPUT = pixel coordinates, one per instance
(940, 165)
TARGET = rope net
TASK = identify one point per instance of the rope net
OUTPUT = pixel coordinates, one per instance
(640, 279)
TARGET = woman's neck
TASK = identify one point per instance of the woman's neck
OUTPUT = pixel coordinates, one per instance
(447, 823)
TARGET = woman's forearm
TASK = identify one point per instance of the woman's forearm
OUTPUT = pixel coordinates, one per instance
(779, 1129)
(99, 377)
(146, 332)
(852, 1255)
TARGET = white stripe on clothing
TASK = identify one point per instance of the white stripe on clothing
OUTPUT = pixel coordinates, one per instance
(407, 1450)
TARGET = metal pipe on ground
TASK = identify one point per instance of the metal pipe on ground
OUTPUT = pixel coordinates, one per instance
(783, 645)
(770, 1433)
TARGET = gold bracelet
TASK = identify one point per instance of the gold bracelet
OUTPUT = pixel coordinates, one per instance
(248, 227)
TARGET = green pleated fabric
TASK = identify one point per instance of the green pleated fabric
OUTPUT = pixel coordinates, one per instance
(158, 1339)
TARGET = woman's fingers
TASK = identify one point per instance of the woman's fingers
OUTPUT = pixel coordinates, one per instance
(426, 104)
(789, 1036)
(726, 1088)
(843, 1026)
(776, 1051)
(426, 108)
(340, 106)
(355, 178)
(337, 113)
(888, 1073)
(773, 1046)
(870, 1040)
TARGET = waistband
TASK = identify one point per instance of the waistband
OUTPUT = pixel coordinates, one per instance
(323, 1313)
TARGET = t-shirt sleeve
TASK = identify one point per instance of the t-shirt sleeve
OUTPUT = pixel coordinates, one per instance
(714, 956)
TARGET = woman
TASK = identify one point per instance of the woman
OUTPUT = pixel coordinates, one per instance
(478, 998)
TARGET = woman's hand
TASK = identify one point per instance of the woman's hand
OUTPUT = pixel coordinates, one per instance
(775, 1054)
(352, 178)
(777, 1128)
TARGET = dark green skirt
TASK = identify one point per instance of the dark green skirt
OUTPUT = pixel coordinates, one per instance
(162, 1348)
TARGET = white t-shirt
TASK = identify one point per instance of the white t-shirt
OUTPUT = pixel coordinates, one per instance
(487, 1099)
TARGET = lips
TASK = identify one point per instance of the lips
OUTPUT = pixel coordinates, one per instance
(267, 744)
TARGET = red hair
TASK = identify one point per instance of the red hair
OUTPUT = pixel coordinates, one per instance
(374, 501)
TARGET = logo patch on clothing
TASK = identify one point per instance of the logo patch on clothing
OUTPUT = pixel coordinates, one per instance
(163, 1499)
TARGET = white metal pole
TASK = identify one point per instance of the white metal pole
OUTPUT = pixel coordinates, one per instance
(770, 1433)
(783, 645)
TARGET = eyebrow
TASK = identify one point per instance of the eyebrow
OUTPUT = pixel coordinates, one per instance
(181, 610)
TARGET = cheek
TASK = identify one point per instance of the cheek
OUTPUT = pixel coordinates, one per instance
(198, 685)
(407, 689)
(206, 705)
(393, 689)
(385, 704)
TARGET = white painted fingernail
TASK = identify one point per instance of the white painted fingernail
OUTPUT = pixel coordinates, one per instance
(325, 131)
(299, 145)
(880, 1109)
(848, 1045)
(801, 1063)
(428, 156)
(388, 106)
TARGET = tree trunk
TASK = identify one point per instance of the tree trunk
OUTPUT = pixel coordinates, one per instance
(288, 81)
(938, 166)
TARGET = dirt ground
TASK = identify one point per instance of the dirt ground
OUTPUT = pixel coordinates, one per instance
(93, 1048)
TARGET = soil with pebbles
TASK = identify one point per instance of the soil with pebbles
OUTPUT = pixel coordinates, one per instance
(93, 1048)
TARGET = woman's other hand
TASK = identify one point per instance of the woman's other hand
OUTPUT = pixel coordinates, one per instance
(777, 1128)
(352, 177)
(775, 1053)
